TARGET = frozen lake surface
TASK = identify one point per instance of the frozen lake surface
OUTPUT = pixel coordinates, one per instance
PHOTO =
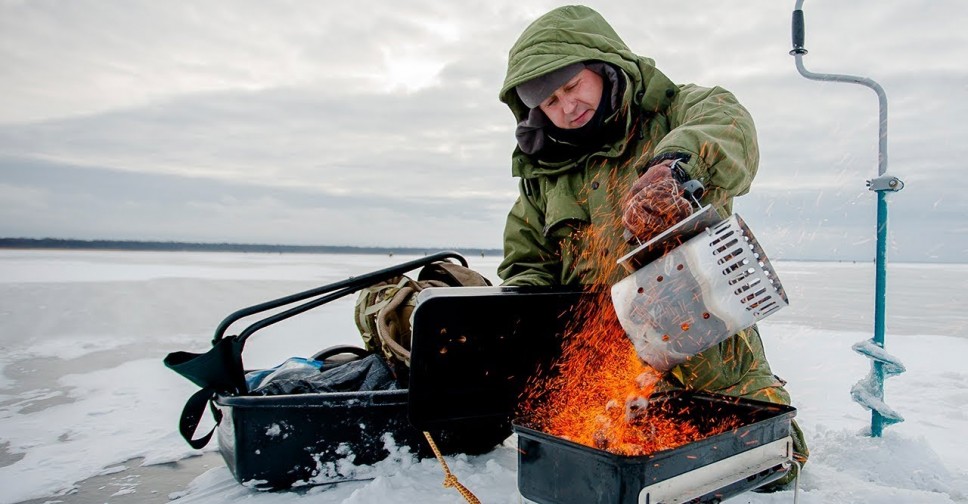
(88, 413)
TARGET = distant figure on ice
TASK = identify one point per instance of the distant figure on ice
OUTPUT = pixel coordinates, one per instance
(598, 128)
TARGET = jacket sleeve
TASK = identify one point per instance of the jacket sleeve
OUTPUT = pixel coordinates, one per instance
(718, 133)
(530, 258)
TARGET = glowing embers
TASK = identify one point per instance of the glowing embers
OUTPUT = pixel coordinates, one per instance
(721, 462)
(638, 428)
(598, 393)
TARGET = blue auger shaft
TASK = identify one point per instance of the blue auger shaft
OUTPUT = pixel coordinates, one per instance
(880, 309)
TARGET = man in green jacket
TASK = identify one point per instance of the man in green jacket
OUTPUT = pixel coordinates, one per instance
(592, 117)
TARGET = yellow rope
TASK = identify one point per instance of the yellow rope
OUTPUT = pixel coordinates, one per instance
(450, 481)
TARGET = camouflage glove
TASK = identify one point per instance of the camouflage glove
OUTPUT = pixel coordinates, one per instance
(654, 203)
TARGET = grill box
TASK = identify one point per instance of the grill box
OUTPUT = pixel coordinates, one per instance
(555, 470)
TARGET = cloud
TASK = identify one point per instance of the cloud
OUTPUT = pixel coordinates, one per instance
(305, 122)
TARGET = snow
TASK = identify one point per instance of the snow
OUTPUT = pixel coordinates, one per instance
(84, 391)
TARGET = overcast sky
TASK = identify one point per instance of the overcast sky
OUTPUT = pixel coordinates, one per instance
(377, 123)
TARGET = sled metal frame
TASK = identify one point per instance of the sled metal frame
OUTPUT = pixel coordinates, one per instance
(323, 295)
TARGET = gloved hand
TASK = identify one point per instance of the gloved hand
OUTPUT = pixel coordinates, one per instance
(654, 203)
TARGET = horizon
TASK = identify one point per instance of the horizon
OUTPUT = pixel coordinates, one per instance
(211, 247)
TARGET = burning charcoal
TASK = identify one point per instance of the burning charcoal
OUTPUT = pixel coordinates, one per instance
(602, 422)
(611, 405)
(635, 407)
(601, 435)
(632, 450)
(647, 380)
(600, 439)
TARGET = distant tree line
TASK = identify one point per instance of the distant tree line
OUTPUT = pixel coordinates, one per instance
(174, 246)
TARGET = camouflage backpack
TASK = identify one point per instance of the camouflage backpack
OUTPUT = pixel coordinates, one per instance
(384, 310)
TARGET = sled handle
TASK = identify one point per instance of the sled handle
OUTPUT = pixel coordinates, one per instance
(341, 289)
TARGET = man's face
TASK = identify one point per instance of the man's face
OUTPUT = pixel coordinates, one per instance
(574, 103)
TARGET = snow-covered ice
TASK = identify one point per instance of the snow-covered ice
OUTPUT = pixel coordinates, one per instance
(83, 391)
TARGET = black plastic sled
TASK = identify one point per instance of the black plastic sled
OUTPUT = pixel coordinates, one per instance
(278, 441)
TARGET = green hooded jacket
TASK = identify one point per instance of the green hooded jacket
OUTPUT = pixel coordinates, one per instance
(545, 238)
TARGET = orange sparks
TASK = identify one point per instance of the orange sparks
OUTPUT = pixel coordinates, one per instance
(597, 393)
(599, 397)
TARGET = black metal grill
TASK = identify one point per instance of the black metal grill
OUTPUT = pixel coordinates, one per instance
(555, 470)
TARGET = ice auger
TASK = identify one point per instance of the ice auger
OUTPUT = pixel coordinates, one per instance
(868, 392)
